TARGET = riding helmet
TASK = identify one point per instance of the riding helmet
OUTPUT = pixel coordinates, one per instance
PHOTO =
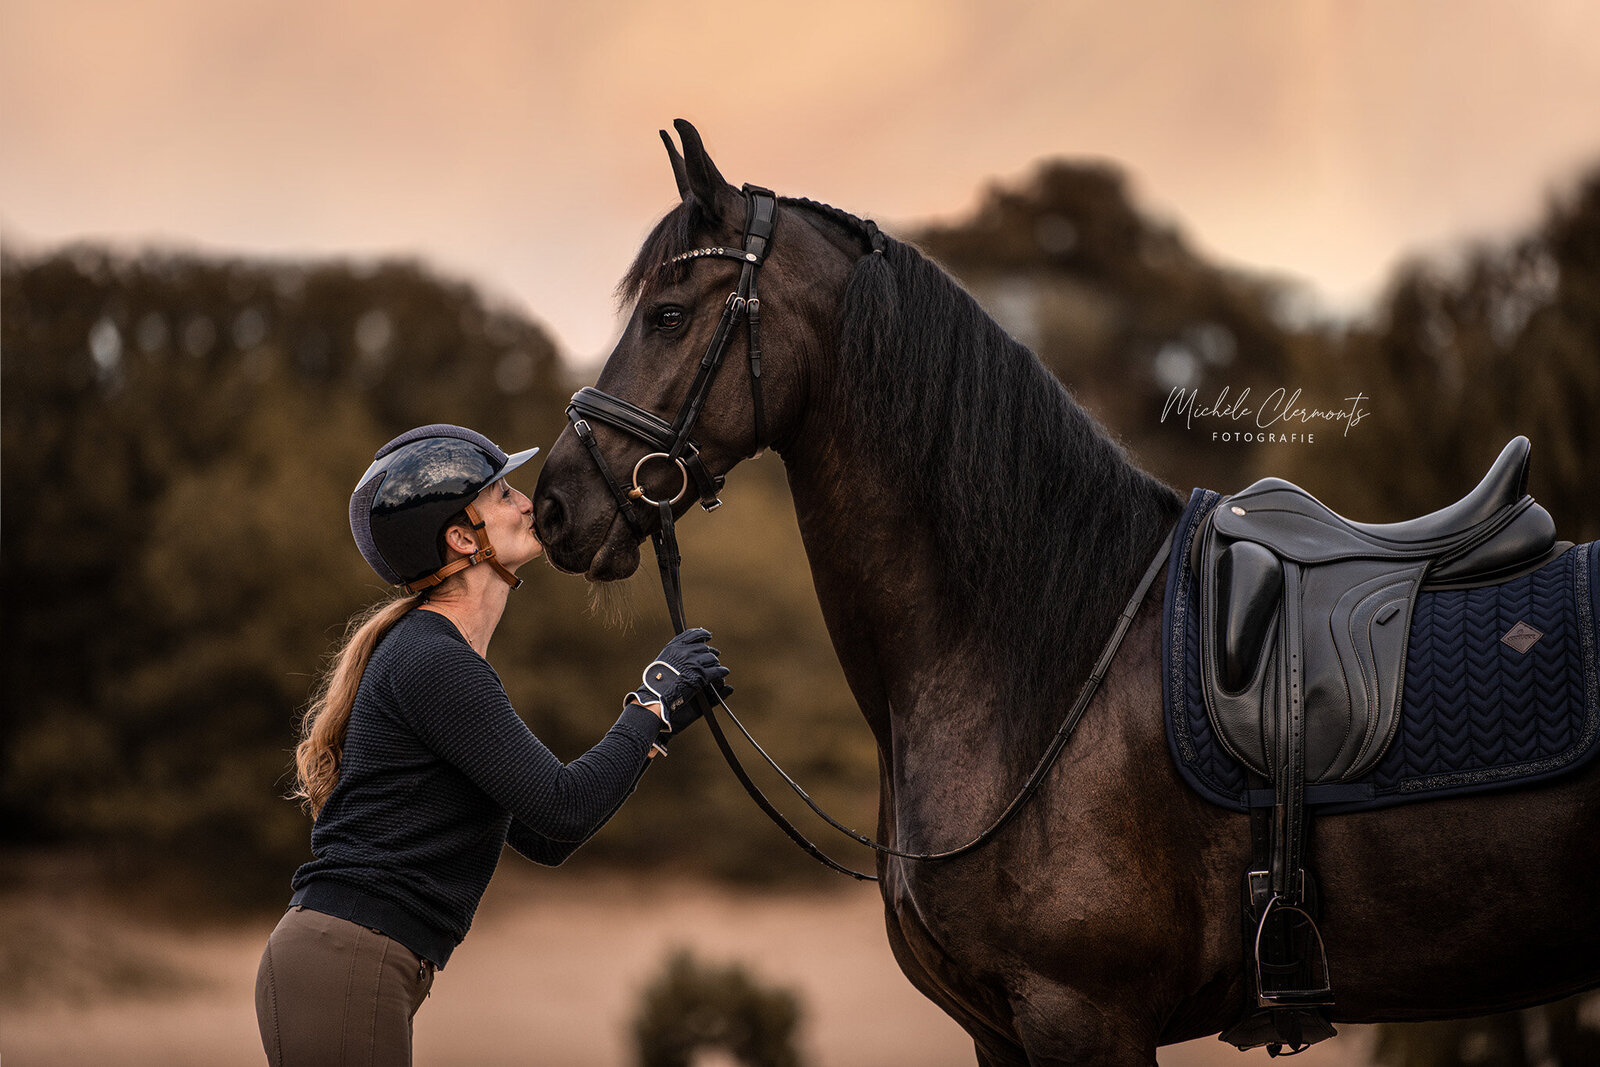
(417, 483)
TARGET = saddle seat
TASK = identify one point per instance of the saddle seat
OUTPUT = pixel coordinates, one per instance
(1504, 485)
(1306, 612)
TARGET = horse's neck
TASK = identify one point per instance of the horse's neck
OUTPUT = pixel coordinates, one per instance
(870, 574)
(913, 660)
(882, 589)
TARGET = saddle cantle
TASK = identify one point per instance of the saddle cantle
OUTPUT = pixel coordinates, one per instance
(1304, 615)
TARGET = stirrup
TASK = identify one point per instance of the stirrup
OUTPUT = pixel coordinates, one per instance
(1291, 960)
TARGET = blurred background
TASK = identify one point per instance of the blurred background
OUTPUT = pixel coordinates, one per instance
(246, 243)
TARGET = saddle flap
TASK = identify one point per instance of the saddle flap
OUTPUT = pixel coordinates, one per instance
(1345, 653)
(1353, 664)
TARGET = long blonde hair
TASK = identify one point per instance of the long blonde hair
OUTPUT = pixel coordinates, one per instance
(322, 731)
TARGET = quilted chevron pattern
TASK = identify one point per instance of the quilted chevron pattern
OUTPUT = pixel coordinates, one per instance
(1477, 713)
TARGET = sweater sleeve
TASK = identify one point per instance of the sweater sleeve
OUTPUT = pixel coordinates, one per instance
(457, 706)
(550, 852)
(537, 847)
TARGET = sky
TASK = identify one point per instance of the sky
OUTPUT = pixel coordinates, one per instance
(513, 143)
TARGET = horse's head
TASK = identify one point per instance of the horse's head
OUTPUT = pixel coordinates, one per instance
(733, 295)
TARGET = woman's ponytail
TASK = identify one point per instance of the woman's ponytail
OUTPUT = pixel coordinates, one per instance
(322, 731)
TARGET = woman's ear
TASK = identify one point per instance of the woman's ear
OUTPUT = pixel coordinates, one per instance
(460, 539)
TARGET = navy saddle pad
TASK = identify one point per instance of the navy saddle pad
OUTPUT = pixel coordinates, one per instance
(1476, 714)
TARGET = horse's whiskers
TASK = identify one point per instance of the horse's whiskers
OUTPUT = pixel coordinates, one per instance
(613, 604)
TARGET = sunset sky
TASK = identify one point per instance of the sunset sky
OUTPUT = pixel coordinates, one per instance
(513, 142)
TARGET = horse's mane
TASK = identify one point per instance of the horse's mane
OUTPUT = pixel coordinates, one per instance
(1041, 522)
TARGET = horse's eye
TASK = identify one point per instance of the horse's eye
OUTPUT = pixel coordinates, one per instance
(669, 318)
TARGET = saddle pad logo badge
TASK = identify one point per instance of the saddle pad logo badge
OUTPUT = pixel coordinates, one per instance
(1522, 637)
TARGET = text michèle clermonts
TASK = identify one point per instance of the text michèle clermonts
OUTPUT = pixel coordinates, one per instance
(1280, 408)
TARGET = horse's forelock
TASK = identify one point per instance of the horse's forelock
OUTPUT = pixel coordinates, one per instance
(672, 236)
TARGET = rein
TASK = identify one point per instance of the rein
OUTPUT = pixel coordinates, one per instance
(674, 446)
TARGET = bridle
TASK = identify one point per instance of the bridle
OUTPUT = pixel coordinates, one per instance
(674, 445)
(672, 441)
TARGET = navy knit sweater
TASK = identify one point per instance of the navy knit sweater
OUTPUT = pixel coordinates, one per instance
(438, 773)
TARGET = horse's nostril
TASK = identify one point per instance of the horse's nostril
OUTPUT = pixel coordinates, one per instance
(548, 516)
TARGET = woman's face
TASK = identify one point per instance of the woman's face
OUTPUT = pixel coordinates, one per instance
(508, 517)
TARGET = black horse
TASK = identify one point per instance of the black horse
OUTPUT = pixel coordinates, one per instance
(972, 534)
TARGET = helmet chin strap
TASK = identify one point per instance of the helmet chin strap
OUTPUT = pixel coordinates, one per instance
(485, 554)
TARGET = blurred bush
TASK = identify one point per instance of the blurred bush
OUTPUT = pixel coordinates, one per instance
(693, 1007)
(1462, 356)
(1119, 305)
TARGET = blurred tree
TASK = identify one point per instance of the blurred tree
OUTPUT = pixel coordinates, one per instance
(1459, 361)
(178, 435)
(1120, 307)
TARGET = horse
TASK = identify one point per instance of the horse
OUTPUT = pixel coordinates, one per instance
(972, 534)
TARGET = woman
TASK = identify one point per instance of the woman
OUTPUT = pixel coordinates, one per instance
(414, 766)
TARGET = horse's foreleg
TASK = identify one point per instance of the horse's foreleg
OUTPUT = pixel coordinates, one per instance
(1060, 1026)
(923, 963)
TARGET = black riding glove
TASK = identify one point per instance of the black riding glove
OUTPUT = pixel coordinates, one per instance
(686, 666)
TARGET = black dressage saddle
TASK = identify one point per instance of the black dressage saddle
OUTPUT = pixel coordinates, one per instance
(1304, 614)
(1304, 618)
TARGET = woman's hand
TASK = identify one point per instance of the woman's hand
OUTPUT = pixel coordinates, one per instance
(685, 666)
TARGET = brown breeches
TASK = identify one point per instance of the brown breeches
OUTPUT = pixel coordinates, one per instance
(330, 991)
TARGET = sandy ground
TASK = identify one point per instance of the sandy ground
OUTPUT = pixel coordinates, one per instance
(550, 974)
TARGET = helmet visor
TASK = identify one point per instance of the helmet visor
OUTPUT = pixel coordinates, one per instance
(515, 460)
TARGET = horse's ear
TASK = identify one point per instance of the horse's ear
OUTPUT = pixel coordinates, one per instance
(678, 173)
(705, 182)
